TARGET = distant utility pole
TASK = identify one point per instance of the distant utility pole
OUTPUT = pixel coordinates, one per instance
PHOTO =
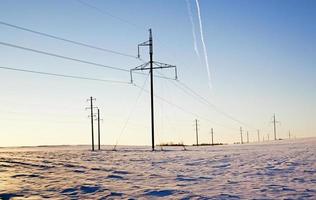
(212, 136)
(142, 67)
(247, 137)
(99, 143)
(241, 136)
(274, 126)
(91, 116)
(289, 135)
(196, 132)
(268, 137)
(258, 135)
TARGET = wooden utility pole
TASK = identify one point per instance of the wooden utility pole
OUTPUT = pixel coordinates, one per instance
(99, 143)
(274, 127)
(247, 137)
(289, 135)
(212, 136)
(258, 135)
(196, 132)
(241, 140)
(91, 116)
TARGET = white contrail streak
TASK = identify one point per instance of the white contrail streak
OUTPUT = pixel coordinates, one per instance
(203, 44)
(193, 29)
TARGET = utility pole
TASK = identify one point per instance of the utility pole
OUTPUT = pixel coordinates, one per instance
(258, 135)
(151, 91)
(268, 137)
(242, 142)
(289, 135)
(99, 143)
(212, 136)
(196, 132)
(91, 116)
(247, 137)
(274, 126)
(142, 67)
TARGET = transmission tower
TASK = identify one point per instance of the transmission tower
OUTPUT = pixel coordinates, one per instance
(151, 68)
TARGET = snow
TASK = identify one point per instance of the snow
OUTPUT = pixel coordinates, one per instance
(275, 170)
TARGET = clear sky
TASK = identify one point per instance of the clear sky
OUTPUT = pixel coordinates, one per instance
(262, 55)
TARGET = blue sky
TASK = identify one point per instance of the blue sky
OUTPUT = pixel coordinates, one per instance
(261, 54)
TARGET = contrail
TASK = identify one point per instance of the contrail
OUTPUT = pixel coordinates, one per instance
(193, 29)
(203, 43)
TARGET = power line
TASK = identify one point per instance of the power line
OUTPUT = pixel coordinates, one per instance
(211, 105)
(91, 63)
(66, 40)
(73, 59)
(101, 11)
(63, 75)
(131, 111)
(61, 56)
(204, 101)
(186, 89)
(46, 121)
(186, 111)
(96, 64)
(128, 22)
(122, 20)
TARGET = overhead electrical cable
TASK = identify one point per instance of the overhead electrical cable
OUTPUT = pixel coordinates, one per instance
(67, 40)
(103, 12)
(131, 112)
(186, 89)
(72, 59)
(61, 56)
(189, 112)
(207, 103)
(62, 75)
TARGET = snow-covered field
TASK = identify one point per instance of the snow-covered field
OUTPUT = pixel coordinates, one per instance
(276, 170)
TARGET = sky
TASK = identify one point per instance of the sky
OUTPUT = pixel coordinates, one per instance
(261, 55)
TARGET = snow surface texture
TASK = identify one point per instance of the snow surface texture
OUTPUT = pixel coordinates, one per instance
(275, 170)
